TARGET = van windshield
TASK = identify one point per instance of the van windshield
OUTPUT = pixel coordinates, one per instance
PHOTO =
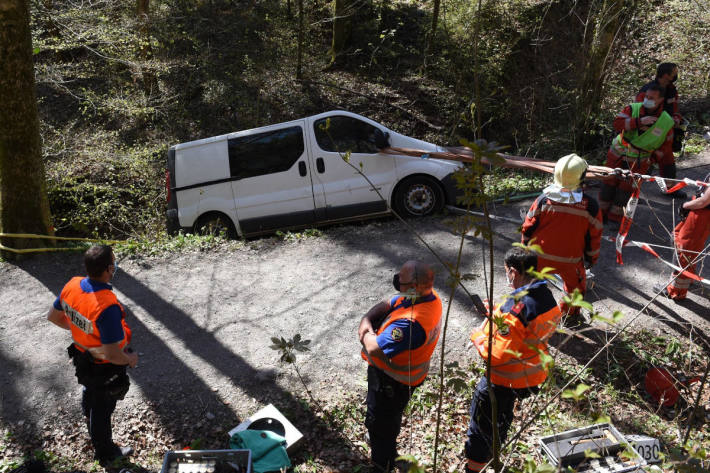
(345, 134)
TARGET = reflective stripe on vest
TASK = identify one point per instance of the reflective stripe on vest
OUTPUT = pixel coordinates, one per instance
(83, 309)
(561, 259)
(515, 358)
(567, 209)
(411, 366)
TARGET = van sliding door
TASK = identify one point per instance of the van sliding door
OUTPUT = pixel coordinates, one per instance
(272, 185)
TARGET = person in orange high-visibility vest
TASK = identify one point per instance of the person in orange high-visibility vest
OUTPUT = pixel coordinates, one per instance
(398, 337)
(88, 308)
(690, 235)
(522, 326)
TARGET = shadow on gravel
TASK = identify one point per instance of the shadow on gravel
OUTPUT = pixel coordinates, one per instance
(180, 397)
(410, 247)
(11, 401)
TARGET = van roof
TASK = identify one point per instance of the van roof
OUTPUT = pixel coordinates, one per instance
(234, 134)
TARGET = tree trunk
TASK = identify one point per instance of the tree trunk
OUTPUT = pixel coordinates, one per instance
(24, 207)
(299, 64)
(607, 24)
(341, 31)
(432, 32)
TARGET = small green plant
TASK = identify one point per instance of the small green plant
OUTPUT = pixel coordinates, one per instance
(412, 464)
(576, 299)
(578, 393)
(299, 236)
(613, 320)
(7, 464)
(288, 348)
(169, 244)
(197, 444)
(531, 465)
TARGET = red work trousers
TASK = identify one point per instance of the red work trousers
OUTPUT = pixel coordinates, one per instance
(665, 157)
(573, 275)
(615, 192)
(690, 235)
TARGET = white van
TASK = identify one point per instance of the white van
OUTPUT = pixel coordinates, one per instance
(292, 175)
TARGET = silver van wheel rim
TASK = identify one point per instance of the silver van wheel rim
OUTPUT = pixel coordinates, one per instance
(420, 199)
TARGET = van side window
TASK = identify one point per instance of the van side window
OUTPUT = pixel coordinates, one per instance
(345, 134)
(265, 153)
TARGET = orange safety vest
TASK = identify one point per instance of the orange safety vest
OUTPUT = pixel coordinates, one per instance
(515, 361)
(411, 366)
(83, 308)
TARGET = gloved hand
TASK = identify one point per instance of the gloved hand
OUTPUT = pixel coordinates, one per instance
(648, 120)
(588, 264)
(683, 212)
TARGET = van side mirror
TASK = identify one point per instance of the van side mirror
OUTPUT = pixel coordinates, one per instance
(382, 139)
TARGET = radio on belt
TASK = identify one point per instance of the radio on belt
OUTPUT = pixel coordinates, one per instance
(269, 418)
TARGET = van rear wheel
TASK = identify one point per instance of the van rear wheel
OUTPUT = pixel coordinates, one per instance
(418, 196)
(215, 224)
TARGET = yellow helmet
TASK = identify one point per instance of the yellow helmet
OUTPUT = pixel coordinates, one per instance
(569, 171)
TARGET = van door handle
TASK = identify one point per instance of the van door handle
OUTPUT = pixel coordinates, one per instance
(302, 168)
(320, 165)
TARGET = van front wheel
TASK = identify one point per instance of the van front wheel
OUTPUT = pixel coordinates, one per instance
(215, 224)
(418, 196)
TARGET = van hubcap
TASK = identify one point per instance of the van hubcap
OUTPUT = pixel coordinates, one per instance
(420, 199)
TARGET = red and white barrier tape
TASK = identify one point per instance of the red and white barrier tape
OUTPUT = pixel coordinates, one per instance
(646, 247)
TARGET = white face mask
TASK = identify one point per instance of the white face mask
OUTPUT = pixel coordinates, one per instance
(508, 279)
(649, 103)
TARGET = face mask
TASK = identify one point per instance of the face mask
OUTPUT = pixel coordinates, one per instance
(395, 282)
(509, 279)
(648, 103)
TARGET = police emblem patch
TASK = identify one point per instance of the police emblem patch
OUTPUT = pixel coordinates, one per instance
(397, 334)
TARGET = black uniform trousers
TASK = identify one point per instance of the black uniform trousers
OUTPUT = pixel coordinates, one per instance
(479, 442)
(104, 384)
(98, 406)
(386, 401)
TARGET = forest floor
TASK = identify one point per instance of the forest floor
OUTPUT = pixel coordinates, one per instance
(202, 323)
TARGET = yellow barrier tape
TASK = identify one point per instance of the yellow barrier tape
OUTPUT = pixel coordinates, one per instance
(45, 250)
(36, 250)
(32, 235)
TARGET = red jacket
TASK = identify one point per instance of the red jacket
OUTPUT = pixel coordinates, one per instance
(624, 122)
(567, 233)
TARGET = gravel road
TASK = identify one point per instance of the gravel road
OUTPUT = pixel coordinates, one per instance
(202, 321)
